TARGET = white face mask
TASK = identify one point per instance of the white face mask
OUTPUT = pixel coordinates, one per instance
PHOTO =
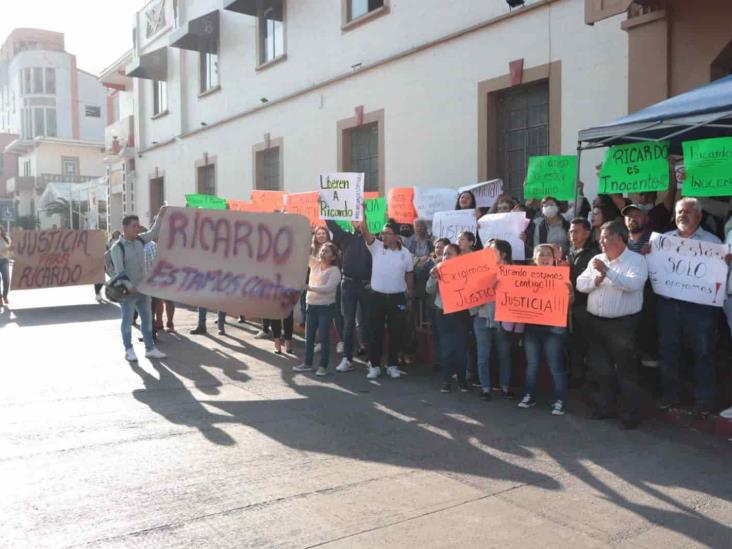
(550, 211)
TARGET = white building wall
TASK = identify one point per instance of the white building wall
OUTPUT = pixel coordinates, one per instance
(92, 94)
(430, 98)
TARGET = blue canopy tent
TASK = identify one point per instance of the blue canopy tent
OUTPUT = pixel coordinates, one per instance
(701, 113)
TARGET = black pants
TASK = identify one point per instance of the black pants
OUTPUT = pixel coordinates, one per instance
(266, 323)
(389, 309)
(277, 325)
(648, 329)
(614, 365)
(98, 288)
(578, 342)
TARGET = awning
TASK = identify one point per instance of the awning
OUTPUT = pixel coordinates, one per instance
(701, 113)
(199, 34)
(256, 8)
(151, 66)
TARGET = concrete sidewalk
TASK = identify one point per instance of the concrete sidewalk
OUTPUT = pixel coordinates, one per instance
(221, 445)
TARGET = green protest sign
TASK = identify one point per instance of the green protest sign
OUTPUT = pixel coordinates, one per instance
(551, 176)
(205, 201)
(708, 167)
(635, 168)
(375, 215)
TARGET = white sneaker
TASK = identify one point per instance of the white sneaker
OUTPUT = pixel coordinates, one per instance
(130, 355)
(321, 372)
(339, 347)
(393, 372)
(374, 372)
(345, 365)
(261, 334)
(302, 368)
(155, 353)
(99, 298)
(726, 414)
(558, 408)
(317, 348)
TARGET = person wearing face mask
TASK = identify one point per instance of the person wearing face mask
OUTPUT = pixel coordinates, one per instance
(552, 228)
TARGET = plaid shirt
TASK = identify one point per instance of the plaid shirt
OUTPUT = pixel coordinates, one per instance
(150, 251)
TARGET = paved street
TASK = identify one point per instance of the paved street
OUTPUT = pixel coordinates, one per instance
(220, 445)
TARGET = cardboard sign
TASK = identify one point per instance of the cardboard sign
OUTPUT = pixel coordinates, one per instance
(59, 257)
(505, 226)
(531, 294)
(400, 206)
(241, 206)
(635, 168)
(551, 176)
(368, 195)
(375, 216)
(205, 201)
(268, 201)
(485, 193)
(708, 166)
(307, 204)
(688, 270)
(341, 196)
(451, 223)
(427, 201)
(467, 280)
(242, 263)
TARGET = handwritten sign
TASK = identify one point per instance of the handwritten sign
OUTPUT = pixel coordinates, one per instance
(59, 257)
(240, 205)
(205, 201)
(451, 223)
(429, 201)
(708, 166)
(341, 196)
(375, 216)
(688, 270)
(485, 193)
(400, 205)
(505, 226)
(532, 295)
(307, 204)
(467, 280)
(635, 168)
(242, 263)
(551, 176)
(268, 201)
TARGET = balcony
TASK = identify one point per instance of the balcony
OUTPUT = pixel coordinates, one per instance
(20, 183)
(39, 184)
(119, 137)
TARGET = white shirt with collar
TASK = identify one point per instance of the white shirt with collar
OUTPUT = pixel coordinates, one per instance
(700, 234)
(621, 291)
(389, 267)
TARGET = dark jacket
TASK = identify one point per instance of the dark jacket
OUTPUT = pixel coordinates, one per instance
(356, 256)
(578, 262)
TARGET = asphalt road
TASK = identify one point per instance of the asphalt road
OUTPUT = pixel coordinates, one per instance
(221, 445)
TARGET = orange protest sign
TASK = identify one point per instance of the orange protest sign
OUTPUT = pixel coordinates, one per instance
(307, 204)
(532, 294)
(467, 281)
(370, 195)
(268, 201)
(240, 205)
(400, 205)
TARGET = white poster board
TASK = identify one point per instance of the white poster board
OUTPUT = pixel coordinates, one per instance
(451, 223)
(427, 202)
(341, 196)
(505, 226)
(485, 193)
(688, 270)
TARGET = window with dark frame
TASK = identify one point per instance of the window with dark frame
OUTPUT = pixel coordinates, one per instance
(90, 111)
(160, 96)
(359, 8)
(268, 169)
(70, 165)
(206, 179)
(363, 154)
(208, 70)
(272, 31)
(157, 193)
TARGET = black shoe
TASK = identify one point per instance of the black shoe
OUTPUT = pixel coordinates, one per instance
(361, 352)
(703, 410)
(198, 331)
(445, 388)
(667, 404)
(485, 395)
(508, 394)
(463, 387)
(241, 320)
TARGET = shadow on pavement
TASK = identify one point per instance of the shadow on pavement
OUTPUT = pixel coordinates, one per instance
(46, 316)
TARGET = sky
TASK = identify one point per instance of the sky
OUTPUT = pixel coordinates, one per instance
(98, 32)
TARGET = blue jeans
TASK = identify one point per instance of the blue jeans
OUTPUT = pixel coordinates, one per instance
(354, 295)
(319, 318)
(5, 276)
(141, 303)
(202, 312)
(485, 338)
(453, 338)
(546, 342)
(728, 313)
(682, 322)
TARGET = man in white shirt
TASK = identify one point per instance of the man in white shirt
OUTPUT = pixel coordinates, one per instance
(391, 282)
(614, 282)
(682, 322)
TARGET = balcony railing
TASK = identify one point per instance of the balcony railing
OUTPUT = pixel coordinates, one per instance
(20, 183)
(120, 136)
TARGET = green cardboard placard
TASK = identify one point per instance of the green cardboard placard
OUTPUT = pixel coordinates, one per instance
(205, 201)
(635, 168)
(708, 167)
(551, 176)
(375, 216)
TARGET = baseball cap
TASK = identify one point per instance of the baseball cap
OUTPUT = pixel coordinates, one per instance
(629, 207)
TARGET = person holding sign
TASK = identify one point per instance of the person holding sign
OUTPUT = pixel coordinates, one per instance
(392, 282)
(545, 342)
(614, 282)
(5, 250)
(693, 324)
(452, 329)
(552, 228)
